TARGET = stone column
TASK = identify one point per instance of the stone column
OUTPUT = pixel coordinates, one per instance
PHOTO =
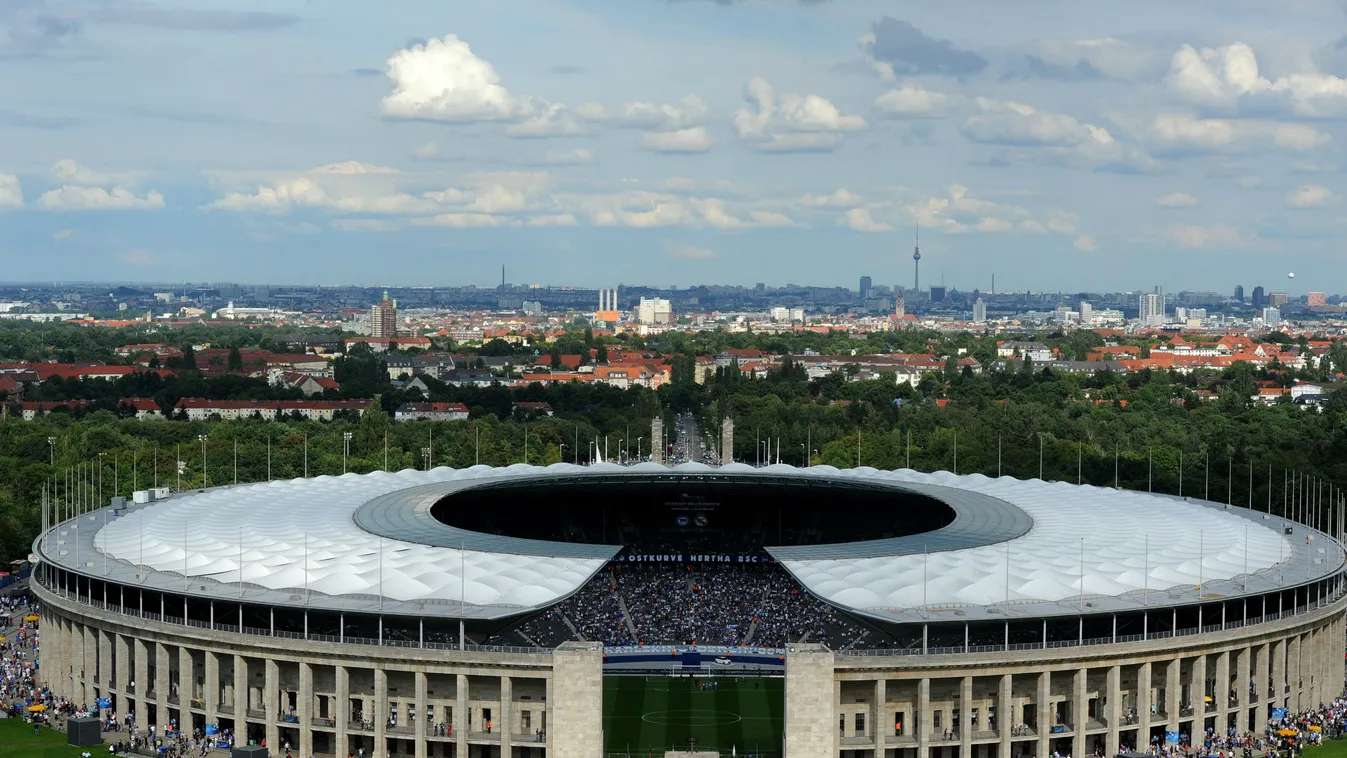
(1243, 661)
(1045, 716)
(186, 685)
(161, 688)
(342, 709)
(506, 722)
(923, 720)
(49, 652)
(461, 724)
(881, 721)
(1260, 668)
(547, 719)
(304, 708)
(1113, 683)
(381, 709)
(271, 703)
(104, 662)
(210, 696)
(1279, 673)
(1197, 694)
(1293, 672)
(87, 634)
(122, 676)
(966, 716)
(240, 690)
(423, 715)
(1221, 693)
(1143, 698)
(576, 701)
(141, 678)
(1006, 716)
(1079, 712)
(1173, 689)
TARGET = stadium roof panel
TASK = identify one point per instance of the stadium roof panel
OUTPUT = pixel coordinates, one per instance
(361, 542)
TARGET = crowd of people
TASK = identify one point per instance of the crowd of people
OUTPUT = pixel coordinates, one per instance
(757, 605)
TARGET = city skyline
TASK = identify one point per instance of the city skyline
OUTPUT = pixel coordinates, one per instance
(676, 143)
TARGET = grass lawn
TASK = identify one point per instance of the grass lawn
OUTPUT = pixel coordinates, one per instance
(17, 741)
(1330, 749)
(650, 715)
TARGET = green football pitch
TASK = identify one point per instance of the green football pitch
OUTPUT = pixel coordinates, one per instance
(645, 716)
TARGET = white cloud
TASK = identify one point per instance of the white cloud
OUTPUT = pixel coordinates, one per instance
(860, 220)
(363, 225)
(139, 258)
(913, 101)
(1224, 76)
(11, 194)
(428, 151)
(461, 220)
(1311, 196)
(839, 198)
(361, 189)
(76, 198)
(1016, 124)
(690, 252)
(63, 235)
(1177, 200)
(771, 218)
(1085, 243)
(692, 140)
(1214, 134)
(443, 80)
(1098, 58)
(559, 219)
(665, 117)
(68, 171)
(791, 122)
(573, 157)
(1216, 235)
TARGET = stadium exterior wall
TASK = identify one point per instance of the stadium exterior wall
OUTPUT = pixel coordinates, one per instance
(883, 706)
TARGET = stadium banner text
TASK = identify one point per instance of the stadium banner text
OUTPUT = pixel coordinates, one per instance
(693, 558)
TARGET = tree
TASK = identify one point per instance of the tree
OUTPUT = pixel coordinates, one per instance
(602, 356)
(188, 357)
(235, 360)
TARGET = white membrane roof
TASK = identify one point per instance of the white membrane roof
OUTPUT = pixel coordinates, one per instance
(268, 529)
(1085, 541)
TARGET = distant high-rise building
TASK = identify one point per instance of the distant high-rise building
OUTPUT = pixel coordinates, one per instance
(899, 309)
(1086, 312)
(1316, 298)
(865, 288)
(1277, 299)
(1239, 292)
(979, 312)
(654, 310)
(1272, 316)
(1258, 299)
(938, 293)
(1151, 309)
(383, 318)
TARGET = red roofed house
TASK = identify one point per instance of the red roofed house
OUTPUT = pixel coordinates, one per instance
(143, 407)
(431, 412)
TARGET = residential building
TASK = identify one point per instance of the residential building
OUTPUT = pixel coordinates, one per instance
(142, 407)
(200, 409)
(431, 412)
(383, 318)
(979, 312)
(1272, 316)
(532, 408)
(1277, 299)
(1034, 351)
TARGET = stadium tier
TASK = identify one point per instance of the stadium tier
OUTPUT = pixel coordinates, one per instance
(476, 612)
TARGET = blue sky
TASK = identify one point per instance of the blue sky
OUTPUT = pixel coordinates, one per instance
(1074, 145)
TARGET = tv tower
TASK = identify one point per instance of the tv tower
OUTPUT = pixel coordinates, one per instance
(916, 260)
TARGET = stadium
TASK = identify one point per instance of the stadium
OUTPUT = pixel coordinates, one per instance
(633, 610)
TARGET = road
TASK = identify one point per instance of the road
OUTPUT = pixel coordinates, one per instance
(688, 444)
